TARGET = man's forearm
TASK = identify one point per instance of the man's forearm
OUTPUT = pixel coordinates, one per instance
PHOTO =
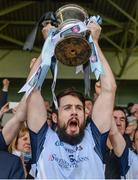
(116, 139)
(107, 79)
(12, 127)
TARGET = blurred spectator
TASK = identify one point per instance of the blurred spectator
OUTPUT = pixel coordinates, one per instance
(128, 160)
(4, 93)
(88, 107)
(47, 104)
(3, 110)
(10, 166)
(134, 110)
(132, 126)
(112, 169)
(120, 119)
(129, 107)
(49, 117)
(97, 90)
(22, 148)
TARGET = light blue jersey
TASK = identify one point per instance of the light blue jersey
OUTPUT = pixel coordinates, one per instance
(131, 162)
(59, 160)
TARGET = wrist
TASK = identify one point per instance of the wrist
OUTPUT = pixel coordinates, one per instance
(96, 42)
(5, 89)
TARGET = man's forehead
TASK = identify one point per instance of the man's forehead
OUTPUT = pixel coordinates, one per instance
(118, 113)
(88, 102)
(69, 99)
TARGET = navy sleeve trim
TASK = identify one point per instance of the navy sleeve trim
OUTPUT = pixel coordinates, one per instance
(37, 141)
(123, 162)
(3, 145)
(100, 140)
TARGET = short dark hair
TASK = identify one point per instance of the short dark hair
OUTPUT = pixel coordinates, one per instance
(69, 91)
(88, 99)
(130, 104)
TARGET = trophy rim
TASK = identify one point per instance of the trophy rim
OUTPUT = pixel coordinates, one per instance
(74, 6)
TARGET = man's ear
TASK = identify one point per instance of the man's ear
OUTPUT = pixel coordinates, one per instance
(54, 117)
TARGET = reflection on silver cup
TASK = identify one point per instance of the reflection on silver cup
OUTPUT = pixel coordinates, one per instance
(72, 49)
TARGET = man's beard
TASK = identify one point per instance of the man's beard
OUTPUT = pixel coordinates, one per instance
(70, 139)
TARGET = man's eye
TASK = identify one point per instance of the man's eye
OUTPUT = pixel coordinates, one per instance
(79, 108)
(67, 107)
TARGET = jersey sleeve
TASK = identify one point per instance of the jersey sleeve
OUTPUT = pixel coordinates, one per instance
(3, 145)
(123, 162)
(99, 139)
(37, 141)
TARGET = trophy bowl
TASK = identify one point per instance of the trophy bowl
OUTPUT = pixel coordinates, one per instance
(73, 48)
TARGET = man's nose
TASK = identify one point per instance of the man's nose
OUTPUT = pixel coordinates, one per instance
(74, 110)
(117, 121)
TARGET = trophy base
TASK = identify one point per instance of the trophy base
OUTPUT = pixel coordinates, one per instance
(73, 50)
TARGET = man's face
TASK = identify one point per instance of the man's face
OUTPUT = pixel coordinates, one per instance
(70, 117)
(119, 117)
(131, 128)
(23, 143)
(136, 141)
(134, 110)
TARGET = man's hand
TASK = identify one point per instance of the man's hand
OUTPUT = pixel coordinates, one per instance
(6, 84)
(45, 30)
(4, 109)
(95, 30)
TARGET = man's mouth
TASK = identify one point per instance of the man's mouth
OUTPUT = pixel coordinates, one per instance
(73, 124)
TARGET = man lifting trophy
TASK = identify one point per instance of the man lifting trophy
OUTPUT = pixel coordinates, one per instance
(73, 148)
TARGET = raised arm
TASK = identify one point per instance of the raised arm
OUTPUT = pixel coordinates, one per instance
(36, 111)
(116, 139)
(103, 107)
(37, 114)
(12, 127)
(4, 94)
